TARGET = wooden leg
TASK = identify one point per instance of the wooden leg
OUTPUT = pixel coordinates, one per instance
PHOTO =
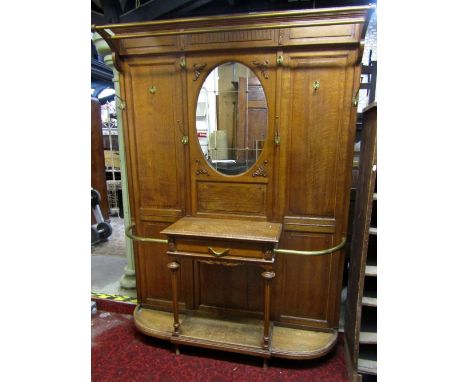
(267, 276)
(174, 267)
(265, 363)
(177, 351)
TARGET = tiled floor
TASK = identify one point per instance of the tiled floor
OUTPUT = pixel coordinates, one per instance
(108, 261)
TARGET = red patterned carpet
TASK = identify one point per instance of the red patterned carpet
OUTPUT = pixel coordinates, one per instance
(120, 353)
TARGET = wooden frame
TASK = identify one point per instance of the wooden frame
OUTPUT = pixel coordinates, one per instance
(308, 65)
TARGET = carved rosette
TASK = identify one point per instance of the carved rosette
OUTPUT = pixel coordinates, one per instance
(261, 170)
(171, 244)
(268, 255)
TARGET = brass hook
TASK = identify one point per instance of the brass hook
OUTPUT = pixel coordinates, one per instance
(122, 103)
(185, 138)
(277, 135)
(280, 60)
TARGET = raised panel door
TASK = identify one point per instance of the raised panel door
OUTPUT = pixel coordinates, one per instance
(154, 88)
(316, 138)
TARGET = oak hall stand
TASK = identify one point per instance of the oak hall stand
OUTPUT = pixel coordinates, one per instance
(249, 260)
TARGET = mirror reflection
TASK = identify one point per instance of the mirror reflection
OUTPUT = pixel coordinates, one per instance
(232, 118)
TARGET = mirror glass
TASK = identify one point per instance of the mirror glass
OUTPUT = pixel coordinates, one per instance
(232, 118)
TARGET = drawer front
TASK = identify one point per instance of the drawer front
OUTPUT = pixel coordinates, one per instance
(221, 248)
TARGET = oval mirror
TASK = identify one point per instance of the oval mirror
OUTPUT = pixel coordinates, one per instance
(232, 118)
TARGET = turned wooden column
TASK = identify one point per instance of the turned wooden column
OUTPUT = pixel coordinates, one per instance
(267, 276)
(174, 267)
(128, 280)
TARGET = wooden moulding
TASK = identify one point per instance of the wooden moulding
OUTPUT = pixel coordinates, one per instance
(343, 25)
(239, 336)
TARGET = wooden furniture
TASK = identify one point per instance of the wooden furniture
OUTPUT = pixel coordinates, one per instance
(361, 304)
(308, 66)
(224, 242)
(98, 167)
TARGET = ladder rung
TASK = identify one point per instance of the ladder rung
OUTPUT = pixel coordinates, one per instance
(368, 338)
(367, 366)
(369, 301)
(373, 230)
(371, 270)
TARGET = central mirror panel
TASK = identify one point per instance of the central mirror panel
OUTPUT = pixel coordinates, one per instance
(232, 118)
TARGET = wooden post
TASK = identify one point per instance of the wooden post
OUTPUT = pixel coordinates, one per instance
(174, 267)
(267, 276)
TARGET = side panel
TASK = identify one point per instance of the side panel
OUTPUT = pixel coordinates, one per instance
(156, 161)
(316, 139)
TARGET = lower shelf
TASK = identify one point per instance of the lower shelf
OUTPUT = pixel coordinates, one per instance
(241, 336)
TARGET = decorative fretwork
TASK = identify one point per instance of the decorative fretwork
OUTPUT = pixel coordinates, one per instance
(197, 70)
(201, 170)
(263, 66)
(261, 170)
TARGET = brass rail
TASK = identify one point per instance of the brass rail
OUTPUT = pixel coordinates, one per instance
(128, 233)
(312, 253)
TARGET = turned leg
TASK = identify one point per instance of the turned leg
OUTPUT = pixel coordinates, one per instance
(267, 276)
(174, 267)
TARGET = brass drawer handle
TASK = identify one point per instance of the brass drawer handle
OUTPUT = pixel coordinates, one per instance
(224, 252)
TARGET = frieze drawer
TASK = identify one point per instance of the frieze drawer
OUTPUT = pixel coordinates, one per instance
(224, 248)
